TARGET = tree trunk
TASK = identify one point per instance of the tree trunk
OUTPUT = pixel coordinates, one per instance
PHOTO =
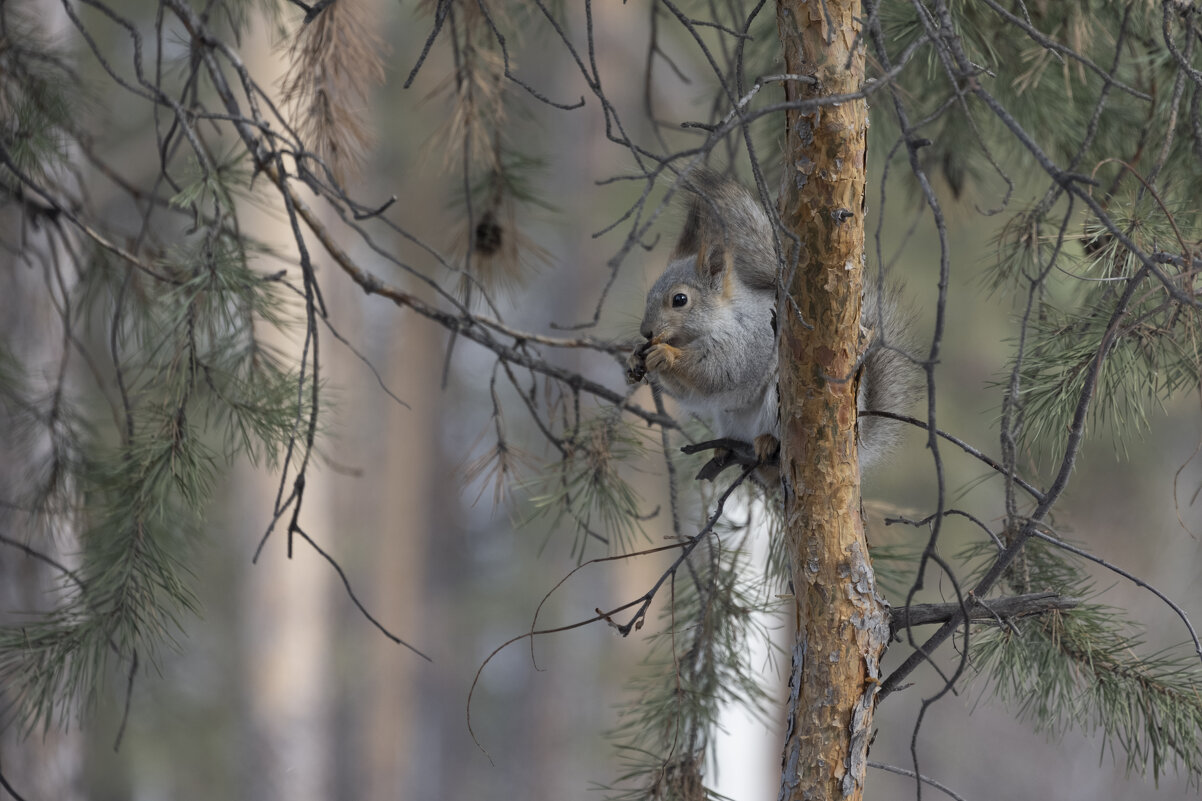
(38, 764)
(288, 627)
(842, 624)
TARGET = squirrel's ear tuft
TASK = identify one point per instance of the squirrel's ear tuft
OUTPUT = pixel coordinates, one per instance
(689, 243)
(726, 229)
(705, 234)
(715, 258)
(705, 190)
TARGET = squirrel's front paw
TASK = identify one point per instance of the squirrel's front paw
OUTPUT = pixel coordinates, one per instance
(767, 448)
(661, 356)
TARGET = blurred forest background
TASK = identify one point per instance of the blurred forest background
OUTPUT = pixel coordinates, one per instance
(279, 688)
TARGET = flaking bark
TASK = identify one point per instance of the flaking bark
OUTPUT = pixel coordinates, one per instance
(842, 624)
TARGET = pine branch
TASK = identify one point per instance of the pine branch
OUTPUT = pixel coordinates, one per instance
(1080, 670)
(995, 610)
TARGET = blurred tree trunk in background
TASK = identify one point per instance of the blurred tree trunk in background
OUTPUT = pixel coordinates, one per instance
(286, 629)
(402, 522)
(45, 765)
(49, 765)
(286, 636)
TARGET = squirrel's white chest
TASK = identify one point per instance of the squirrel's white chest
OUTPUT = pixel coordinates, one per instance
(741, 414)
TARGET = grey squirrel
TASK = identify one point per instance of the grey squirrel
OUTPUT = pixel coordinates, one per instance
(710, 328)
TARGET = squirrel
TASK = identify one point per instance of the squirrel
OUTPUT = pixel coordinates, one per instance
(710, 330)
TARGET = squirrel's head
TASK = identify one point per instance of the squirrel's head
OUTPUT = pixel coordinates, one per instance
(725, 248)
(686, 300)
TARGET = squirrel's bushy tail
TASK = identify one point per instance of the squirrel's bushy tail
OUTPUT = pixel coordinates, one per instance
(889, 379)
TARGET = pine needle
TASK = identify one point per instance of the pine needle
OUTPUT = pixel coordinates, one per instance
(335, 60)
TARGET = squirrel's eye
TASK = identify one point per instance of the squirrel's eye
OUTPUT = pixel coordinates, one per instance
(679, 299)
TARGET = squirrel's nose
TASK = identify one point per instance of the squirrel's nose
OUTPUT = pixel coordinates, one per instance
(647, 333)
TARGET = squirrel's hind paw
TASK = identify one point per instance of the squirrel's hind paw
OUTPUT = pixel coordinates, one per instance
(767, 448)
